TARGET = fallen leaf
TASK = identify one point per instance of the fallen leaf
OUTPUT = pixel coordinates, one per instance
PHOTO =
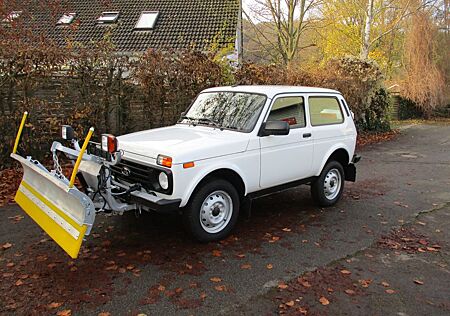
(54, 305)
(220, 288)
(246, 266)
(66, 312)
(241, 255)
(302, 310)
(203, 295)
(122, 270)
(385, 284)
(432, 249)
(304, 283)
(161, 288)
(274, 239)
(290, 303)
(287, 230)
(349, 292)
(389, 291)
(365, 283)
(282, 286)
(6, 246)
(19, 282)
(10, 264)
(423, 242)
(324, 301)
(346, 272)
(216, 253)
(104, 314)
(216, 279)
(269, 266)
(418, 282)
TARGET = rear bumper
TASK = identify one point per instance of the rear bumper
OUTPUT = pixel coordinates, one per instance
(350, 169)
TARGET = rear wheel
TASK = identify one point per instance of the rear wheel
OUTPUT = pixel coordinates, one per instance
(327, 189)
(213, 211)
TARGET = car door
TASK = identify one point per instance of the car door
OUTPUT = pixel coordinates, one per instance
(327, 125)
(287, 158)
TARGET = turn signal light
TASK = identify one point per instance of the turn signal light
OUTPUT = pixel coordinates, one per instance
(109, 143)
(164, 161)
(188, 165)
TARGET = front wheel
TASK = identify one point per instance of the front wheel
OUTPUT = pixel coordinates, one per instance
(327, 189)
(213, 211)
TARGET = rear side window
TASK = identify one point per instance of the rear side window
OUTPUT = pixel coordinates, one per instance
(290, 110)
(325, 111)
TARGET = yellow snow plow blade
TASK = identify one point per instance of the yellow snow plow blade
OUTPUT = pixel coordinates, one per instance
(53, 202)
(64, 213)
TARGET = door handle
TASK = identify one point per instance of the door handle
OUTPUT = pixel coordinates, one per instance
(307, 135)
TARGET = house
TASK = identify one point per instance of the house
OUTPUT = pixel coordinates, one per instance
(134, 26)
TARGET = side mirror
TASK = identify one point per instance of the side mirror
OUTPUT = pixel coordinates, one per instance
(67, 132)
(276, 128)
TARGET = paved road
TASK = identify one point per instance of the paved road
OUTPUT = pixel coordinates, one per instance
(148, 265)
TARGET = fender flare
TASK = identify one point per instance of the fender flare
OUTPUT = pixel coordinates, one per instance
(331, 152)
(206, 172)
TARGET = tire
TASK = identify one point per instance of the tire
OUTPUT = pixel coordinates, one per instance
(215, 221)
(324, 190)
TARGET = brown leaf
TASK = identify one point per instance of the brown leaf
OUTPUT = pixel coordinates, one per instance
(220, 288)
(104, 314)
(66, 312)
(418, 282)
(241, 255)
(349, 292)
(385, 284)
(274, 239)
(290, 303)
(19, 282)
(54, 305)
(282, 286)
(269, 266)
(203, 295)
(365, 283)
(287, 230)
(6, 246)
(389, 291)
(345, 272)
(324, 301)
(246, 266)
(216, 280)
(302, 310)
(10, 264)
(304, 283)
(161, 288)
(217, 253)
(432, 249)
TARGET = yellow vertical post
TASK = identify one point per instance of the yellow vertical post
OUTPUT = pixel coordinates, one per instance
(19, 133)
(80, 157)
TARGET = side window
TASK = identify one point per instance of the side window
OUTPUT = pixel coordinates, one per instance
(325, 111)
(289, 109)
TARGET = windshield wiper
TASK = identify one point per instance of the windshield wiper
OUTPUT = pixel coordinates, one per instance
(210, 121)
(191, 119)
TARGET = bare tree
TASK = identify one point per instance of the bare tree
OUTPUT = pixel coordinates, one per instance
(290, 18)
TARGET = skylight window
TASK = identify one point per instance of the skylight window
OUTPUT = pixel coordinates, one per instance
(66, 19)
(147, 20)
(108, 17)
(12, 16)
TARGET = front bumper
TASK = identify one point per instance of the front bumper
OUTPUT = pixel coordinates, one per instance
(155, 203)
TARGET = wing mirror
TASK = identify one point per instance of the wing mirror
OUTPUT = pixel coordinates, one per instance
(276, 128)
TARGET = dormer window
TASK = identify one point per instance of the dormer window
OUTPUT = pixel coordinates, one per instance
(147, 20)
(12, 16)
(108, 17)
(66, 19)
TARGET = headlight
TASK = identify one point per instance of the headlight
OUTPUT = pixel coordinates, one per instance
(163, 180)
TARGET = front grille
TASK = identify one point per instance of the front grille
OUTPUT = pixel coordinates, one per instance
(147, 176)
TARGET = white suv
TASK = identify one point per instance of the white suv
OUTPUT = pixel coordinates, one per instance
(233, 144)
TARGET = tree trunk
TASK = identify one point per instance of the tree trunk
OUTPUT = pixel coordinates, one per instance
(365, 48)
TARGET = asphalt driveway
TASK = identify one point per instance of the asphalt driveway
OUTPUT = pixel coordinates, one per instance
(360, 257)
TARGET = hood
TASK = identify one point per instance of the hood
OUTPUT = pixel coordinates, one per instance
(184, 143)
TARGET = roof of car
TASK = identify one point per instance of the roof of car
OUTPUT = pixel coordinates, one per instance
(272, 91)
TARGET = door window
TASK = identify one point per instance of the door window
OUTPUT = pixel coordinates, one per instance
(325, 111)
(290, 110)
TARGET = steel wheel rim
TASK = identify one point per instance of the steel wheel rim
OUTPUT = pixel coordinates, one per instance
(332, 184)
(216, 212)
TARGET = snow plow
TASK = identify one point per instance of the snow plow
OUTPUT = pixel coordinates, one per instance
(65, 213)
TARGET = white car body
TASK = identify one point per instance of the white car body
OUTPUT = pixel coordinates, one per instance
(261, 162)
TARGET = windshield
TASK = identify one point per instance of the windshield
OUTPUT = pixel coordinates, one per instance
(230, 110)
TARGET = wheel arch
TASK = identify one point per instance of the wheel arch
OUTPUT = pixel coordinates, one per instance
(338, 153)
(226, 173)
